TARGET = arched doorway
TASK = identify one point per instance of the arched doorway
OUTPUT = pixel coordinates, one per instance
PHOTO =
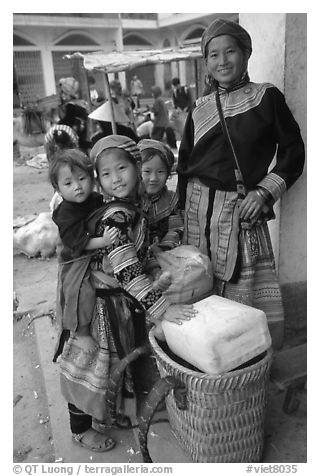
(64, 68)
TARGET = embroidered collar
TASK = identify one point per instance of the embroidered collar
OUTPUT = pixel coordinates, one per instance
(156, 196)
(234, 87)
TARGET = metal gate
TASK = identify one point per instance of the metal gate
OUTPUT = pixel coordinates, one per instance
(29, 76)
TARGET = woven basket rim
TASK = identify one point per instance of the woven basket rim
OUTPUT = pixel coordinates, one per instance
(204, 375)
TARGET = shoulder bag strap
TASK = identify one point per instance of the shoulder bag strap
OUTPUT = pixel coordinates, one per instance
(241, 189)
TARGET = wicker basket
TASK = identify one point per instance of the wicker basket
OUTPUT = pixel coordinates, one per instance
(222, 417)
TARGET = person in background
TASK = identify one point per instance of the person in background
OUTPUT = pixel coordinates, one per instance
(96, 97)
(73, 111)
(76, 117)
(122, 102)
(136, 88)
(59, 137)
(69, 90)
(183, 103)
(181, 96)
(103, 117)
(70, 132)
(165, 218)
(144, 129)
(225, 186)
(161, 124)
(131, 106)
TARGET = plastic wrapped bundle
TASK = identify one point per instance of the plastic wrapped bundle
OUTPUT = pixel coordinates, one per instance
(224, 335)
(191, 274)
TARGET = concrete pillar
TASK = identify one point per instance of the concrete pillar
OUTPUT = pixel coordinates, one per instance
(279, 56)
(48, 71)
(267, 64)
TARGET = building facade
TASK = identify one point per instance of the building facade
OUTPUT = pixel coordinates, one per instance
(40, 42)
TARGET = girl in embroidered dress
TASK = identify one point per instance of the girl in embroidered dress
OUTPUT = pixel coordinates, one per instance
(227, 204)
(165, 218)
(126, 299)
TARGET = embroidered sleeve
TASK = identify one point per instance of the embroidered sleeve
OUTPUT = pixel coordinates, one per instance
(274, 184)
(128, 267)
(185, 149)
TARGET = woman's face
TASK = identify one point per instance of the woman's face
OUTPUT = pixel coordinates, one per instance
(225, 60)
(154, 175)
(117, 175)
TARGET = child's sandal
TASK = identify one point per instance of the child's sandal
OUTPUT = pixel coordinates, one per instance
(98, 443)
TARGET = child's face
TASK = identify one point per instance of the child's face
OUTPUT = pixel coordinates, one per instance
(117, 175)
(74, 186)
(154, 175)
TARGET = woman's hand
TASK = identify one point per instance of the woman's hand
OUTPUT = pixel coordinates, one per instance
(251, 206)
(180, 312)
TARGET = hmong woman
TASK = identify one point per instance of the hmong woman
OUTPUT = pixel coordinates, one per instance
(226, 190)
(125, 298)
(165, 218)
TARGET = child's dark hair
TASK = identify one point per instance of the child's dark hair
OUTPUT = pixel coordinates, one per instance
(150, 152)
(62, 139)
(73, 158)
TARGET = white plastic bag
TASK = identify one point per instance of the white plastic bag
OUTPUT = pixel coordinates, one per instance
(191, 274)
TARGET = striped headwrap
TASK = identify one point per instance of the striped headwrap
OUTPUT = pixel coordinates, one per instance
(220, 27)
(58, 128)
(116, 141)
(158, 147)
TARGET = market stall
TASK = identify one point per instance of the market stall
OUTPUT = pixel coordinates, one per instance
(117, 61)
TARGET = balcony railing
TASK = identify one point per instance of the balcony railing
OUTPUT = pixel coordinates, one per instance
(139, 16)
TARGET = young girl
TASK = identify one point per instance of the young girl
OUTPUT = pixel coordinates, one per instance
(123, 291)
(165, 219)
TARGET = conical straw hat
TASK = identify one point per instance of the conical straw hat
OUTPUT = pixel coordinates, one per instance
(103, 113)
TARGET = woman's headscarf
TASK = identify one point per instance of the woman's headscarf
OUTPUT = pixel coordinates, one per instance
(116, 141)
(163, 150)
(226, 27)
